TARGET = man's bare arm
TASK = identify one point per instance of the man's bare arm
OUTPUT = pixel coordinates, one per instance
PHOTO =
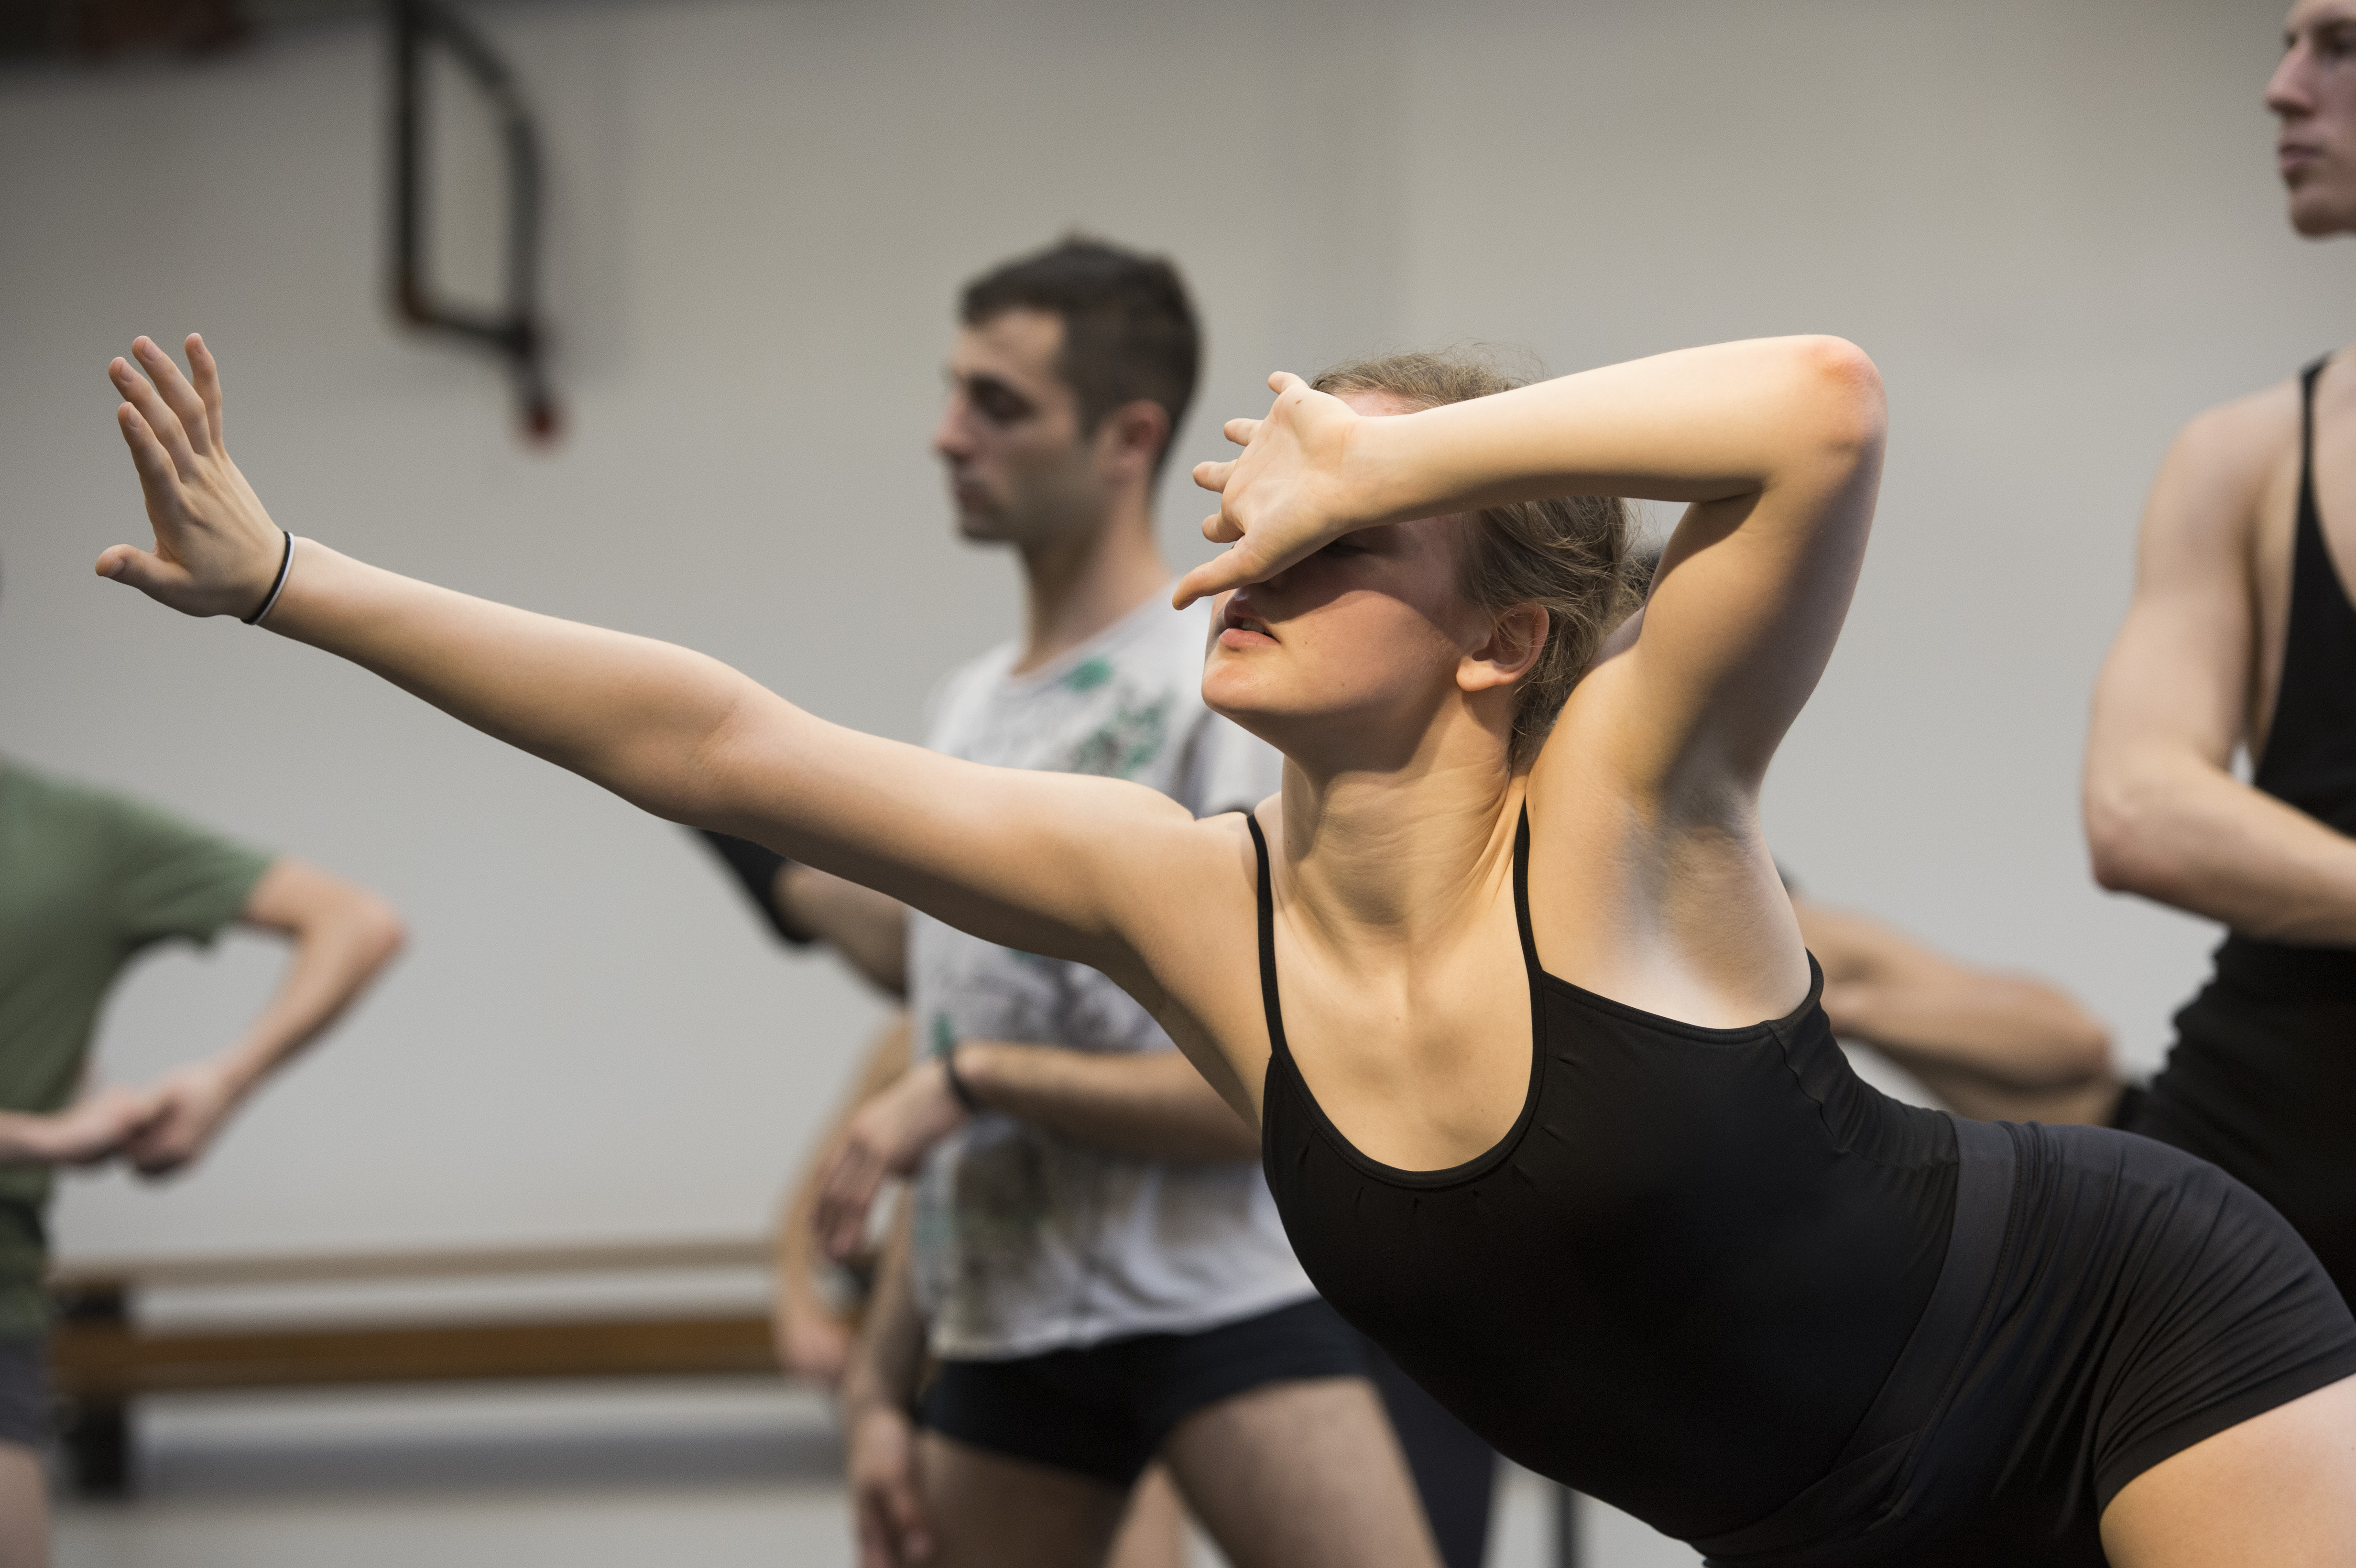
(812, 1338)
(1991, 1046)
(887, 1365)
(869, 929)
(1154, 1104)
(343, 936)
(2165, 816)
(803, 904)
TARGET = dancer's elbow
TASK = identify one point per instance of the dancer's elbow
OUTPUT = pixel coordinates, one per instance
(1849, 413)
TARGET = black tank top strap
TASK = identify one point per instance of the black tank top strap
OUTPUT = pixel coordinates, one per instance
(2306, 380)
(1268, 997)
(1521, 905)
(2309, 525)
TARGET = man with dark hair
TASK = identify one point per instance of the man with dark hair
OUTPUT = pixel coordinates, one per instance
(1093, 1260)
(1129, 330)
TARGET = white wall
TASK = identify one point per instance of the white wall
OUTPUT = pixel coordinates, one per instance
(2054, 225)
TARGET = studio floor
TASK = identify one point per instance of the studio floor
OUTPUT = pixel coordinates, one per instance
(717, 1476)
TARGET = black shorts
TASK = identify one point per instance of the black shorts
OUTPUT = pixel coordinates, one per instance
(1104, 1411)
(2106, 1301)
(2260, 1081)
(25, 1389)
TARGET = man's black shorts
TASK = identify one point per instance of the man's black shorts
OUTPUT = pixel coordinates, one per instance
(1105, 1410)
(25, 1389)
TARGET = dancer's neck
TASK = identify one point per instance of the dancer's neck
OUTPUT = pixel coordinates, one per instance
(1398, 854)
(1075, 588)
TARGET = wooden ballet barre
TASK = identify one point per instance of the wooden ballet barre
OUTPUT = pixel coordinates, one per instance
(100, 1358)
(448, 1262)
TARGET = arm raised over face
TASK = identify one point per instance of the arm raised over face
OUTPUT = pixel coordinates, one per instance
(1047, 862)
(1775, 445)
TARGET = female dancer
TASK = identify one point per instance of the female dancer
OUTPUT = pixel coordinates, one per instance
(1491, 969)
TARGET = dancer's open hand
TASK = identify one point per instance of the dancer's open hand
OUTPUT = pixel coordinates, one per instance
(217, 551)
(1295, 490)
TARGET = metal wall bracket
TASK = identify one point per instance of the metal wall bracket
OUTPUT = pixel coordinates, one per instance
(518, 334)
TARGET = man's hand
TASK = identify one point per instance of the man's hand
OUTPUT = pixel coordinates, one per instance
(217, 551)
(886, 1136)
(88, 1132)
(882, 1462)
(1295, 490)
(193, 1102)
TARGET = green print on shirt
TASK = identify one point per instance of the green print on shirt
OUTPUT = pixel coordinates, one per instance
(1126, 742)
(1088, 674)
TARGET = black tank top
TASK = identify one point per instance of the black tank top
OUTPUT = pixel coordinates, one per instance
(2262, 1077)
(1679, 1280)
(2309, 760)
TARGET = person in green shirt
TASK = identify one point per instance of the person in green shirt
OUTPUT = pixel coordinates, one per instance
(88, 880)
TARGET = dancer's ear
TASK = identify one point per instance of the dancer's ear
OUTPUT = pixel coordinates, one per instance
(1517, 638)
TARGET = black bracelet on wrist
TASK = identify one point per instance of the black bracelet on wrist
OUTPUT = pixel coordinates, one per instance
(959, 1087)
(277, 584)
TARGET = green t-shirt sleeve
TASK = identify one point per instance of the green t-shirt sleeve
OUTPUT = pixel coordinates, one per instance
(175, 879)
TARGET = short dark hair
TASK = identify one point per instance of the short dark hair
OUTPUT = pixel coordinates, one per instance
(1129, 333)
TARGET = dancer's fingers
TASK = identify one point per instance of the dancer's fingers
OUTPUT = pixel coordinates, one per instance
(151, 574)
(1238, 566)
(159, 478)
(1214, 475)
(207, 372)
(1240, 431)
(164, 424)
(176, 393)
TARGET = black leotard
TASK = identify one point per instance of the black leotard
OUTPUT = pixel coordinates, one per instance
(2261, 1079)
(1664, 1192)
(1713, 1278)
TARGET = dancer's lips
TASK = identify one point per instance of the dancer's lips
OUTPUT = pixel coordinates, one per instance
(1241, 629)
(2292, 156)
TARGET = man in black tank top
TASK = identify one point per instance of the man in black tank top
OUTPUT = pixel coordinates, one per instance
(2242, 634)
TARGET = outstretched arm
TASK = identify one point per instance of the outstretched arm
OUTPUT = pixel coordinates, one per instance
(1992, 1046)
(343, 936)
(1048, 863)
(2165, 816)
(1774, 443)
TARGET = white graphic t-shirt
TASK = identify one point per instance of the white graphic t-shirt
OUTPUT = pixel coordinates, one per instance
(1027, 1241)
